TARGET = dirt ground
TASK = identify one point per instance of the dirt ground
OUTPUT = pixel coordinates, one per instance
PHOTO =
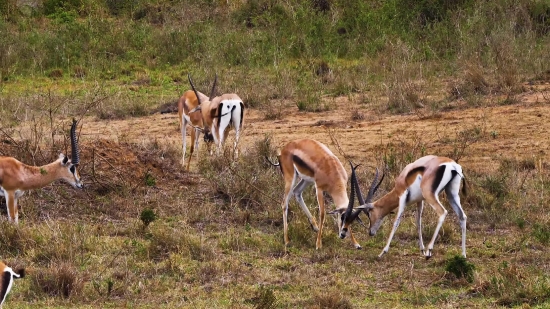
(519, 130)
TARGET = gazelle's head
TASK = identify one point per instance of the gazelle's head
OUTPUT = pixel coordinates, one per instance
(203, 107)
(70, 166)
(350, 214)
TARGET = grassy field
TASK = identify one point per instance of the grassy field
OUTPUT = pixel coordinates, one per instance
(380, 82)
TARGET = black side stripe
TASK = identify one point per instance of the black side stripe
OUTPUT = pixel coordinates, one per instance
(301, 163)
(6, 277)
(438, 177)
(220, 107)
(242, 114)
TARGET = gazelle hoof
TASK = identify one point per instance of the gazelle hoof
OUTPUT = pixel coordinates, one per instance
(428, 254)
(358, 247)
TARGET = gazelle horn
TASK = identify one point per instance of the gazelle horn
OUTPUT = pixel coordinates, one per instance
(193, 87)
(75, 155)
(213, 92)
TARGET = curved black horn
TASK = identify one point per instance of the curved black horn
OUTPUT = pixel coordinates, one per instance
(75, 155)
(349, 210)
(373, 187)
(193, 87)
(213, 92)
(358, 190)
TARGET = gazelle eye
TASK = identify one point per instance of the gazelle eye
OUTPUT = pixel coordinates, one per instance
(72, 169)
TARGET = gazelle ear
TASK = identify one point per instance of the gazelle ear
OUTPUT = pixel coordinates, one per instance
(63, 158)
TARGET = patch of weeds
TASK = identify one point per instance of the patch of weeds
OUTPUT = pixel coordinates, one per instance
(165, 241)
(512, 286)
(149, 179)
(331, 300)
(13, 240)
(460, 267)
(311, 103)
(541, 232)
(264, 298)
(496, 185)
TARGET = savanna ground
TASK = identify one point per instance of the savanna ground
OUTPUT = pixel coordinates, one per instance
(144, 233)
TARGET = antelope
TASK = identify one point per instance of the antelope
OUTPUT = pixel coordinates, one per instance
(422, 180)
(219, 114)
(16, 177)
(304, 162)
(188, 106)
(8, 275)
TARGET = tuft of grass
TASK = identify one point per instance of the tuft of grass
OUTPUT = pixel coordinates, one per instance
(460, 267)
(61, 279)
(264, 298)
(334, 300)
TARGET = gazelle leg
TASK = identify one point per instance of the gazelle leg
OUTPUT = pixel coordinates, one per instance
(419, 209)
(452, 190)
(441, 213)
(298, 189)
(321, 202)
(353, 240)
(184, 140)
(237, 118)
(11, 202)
(194, 141)
(197, 139)
(288, 186)
(400, 209)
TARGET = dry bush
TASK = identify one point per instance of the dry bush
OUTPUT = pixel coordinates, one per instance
(248, 182)
(60, 279)
(473, 82)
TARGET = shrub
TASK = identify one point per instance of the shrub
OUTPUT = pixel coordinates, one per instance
(461, 268)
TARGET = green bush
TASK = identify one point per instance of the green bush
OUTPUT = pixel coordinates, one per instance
(460, 267)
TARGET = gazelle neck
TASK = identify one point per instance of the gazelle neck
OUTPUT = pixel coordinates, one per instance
(386, 204)
(39, 176)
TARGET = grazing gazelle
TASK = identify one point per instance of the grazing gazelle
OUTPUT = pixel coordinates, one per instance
(189, 113)
(6, 283)
(422, 180)
(304, 162)
(219, 114)
(16, 177)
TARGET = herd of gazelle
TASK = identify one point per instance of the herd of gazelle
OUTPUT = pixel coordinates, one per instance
(302, 162)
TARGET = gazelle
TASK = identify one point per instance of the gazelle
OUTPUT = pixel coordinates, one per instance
(6, 283)
(422, 180)
(16, 177)
(189, 113)
(304, 162)
(221, 113)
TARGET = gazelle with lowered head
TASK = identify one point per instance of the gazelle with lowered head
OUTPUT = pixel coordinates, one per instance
(304, 162)
(189, 113)
(221, 113)
(16, 177)
(422, 180)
